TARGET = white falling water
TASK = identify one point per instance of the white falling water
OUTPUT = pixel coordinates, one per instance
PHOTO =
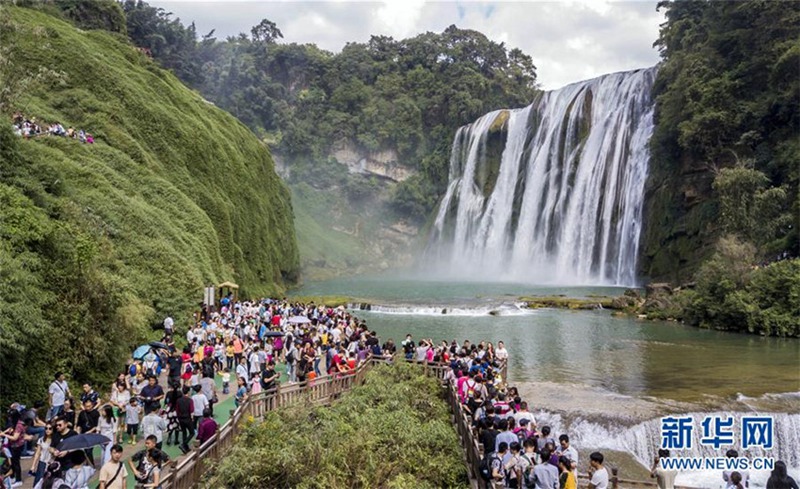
(566, 201)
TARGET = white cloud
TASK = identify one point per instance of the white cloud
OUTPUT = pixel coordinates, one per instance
(568, 40)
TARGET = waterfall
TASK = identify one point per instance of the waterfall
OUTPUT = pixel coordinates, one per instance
(552, 192)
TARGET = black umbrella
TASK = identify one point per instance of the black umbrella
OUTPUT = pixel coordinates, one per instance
(82, 442)
(274, 334)
(158, 344)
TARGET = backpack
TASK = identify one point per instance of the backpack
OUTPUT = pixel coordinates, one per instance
(485, 467)
(528, 480)
(290, 357)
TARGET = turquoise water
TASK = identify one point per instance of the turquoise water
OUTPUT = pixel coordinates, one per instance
(411, 290)
(626, 356)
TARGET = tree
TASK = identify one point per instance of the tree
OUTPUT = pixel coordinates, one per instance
(266, 32)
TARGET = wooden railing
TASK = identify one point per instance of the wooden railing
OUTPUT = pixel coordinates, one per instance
(188, 471)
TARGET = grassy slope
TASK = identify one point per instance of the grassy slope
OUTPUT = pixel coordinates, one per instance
(187, 193)
(99, 241)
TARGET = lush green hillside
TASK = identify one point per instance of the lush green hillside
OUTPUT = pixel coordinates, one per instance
(99, 241)
(725, 151)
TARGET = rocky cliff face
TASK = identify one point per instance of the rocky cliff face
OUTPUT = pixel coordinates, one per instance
(384, 163)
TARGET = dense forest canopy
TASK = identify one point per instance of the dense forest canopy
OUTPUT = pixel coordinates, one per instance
(409, 95)
(725, 163)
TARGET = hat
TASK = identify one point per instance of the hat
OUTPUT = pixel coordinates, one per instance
(524, 421)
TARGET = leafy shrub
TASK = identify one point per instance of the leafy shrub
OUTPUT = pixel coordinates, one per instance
(393, 431)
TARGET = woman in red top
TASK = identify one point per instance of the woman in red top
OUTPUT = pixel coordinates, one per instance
(16, 441)
(186, 363)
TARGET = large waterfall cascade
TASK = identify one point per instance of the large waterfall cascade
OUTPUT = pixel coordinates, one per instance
(552, 192)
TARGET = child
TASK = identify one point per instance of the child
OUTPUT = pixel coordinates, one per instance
(132, 412)
(226, 381)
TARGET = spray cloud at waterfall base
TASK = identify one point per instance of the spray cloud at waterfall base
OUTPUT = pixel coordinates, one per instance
(553, 192)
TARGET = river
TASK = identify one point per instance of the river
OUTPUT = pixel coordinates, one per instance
(604, 380)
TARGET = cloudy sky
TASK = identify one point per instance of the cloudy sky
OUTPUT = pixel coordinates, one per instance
(568, 40)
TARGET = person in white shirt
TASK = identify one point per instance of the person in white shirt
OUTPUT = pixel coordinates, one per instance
(200, 402)
(664, 478)
(523, 413)
(241, 370)
(153, 424)
(59, 391)
(599, 474)
(501, 353)
(565, 450)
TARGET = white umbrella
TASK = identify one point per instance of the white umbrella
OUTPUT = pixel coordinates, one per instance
(299, 320)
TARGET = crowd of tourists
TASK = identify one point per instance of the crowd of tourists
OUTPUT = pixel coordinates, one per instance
(30, 128)
(168, 394)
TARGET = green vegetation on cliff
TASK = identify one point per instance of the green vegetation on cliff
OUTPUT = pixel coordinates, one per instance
(99, 241)
(725, 151)
(399, 101)
(723, 207)
(394, 432)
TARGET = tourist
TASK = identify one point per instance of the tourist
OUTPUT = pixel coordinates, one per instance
(120, 398)
(154, 424)
(598, 475)
(544, 438)
(90, 395)
(174, 368)
(291, 361)
(779, 478)
(62, 432)
(734, 481)
(565, 450)
(59, 392)
(498, 468)
(207, 427)
(209, 389)
(184, 408)
(107, 426)
(200, 404)
(545, 474)
(15, 437)
(567, 478)
(241, 371)
(132, 413)
(147, 470)
(505, 434)
(664, 478)
(523, 432)
(69, 414)
(511, 465)
(42, 457)
(113, 473)
(523, 413)
(726, 475)
(80, 472)
(501, 354)
(527, 462)
(152, 394)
